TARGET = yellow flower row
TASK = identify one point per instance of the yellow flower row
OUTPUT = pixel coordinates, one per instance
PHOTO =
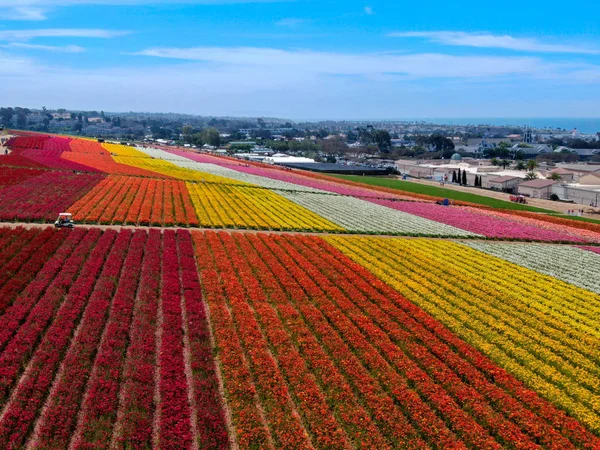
(128, 155)
(243, 207)
(525, 322)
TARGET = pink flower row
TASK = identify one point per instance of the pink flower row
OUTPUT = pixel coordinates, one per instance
(481, 222)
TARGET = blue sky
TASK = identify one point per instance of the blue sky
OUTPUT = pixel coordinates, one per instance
(304, 59)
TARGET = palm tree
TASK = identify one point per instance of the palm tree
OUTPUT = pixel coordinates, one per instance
(532, 164)
(531, 176)
(520, 165)
(554, 176)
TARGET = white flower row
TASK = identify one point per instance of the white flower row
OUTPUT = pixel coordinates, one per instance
(225, 172)
(358, 215)
(570, 264)
(354, 214)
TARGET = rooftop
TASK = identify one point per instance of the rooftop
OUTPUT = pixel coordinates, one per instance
(538, 184)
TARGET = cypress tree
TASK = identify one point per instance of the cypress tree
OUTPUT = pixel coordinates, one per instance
(464, 178)
(454, 176)
(459, 178)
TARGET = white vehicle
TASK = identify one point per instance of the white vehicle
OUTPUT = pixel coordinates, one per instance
(64, 220)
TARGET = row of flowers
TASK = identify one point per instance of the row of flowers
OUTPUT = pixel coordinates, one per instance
(45, 196)
(33, 388)
(137, 409)
(210, 417)
(472, 367)
(99, 406)
(58, 418)
(344, 383)
(226, 206)
(131, 200)
(174, 412)
(569, 264)
(362, 216)
(27, 260)
(483, 223)
(251, 430)
(543, 342)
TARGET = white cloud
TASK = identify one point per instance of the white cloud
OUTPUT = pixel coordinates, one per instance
(482, 40)
(368, 65)
(346, 86)
(291, 22)
(38, 9)
(22, 13)
(369, 10)
(48, 48)
(26, 35)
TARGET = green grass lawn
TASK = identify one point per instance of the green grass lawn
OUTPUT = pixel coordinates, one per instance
(581, 219)
(441, 192)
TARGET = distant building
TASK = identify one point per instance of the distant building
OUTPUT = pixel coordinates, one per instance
(537, 188)
(505, 184)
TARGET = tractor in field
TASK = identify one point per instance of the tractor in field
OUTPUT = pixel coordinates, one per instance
(65, 220)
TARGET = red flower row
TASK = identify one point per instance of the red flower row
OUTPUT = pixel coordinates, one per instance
(45, 196)
(175, 414)
(210, 417)
(33, 387)
(483, 380)
(21, 270)
(58, 419)
(134, 419)
(99, 408)
(54, 275)
(250, 428)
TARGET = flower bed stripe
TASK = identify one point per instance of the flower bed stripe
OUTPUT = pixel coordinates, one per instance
(174, 424)
(210, 416)
(481, 299)
(250, 425)
(59, 416)
(308, 398)
(31, 392)
(133, 428)
(297, 354)
(99, 407)
(569, 264)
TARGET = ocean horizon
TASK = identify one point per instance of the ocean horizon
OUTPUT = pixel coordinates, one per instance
(583, 125)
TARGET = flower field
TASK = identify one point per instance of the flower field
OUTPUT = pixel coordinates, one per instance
(261, 333)
(541, 329)
(93, 351)
(136, 201)
(120, 184)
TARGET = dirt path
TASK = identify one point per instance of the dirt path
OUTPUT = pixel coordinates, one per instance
(536, 202)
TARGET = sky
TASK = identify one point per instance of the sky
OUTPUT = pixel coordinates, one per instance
(304, 59)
